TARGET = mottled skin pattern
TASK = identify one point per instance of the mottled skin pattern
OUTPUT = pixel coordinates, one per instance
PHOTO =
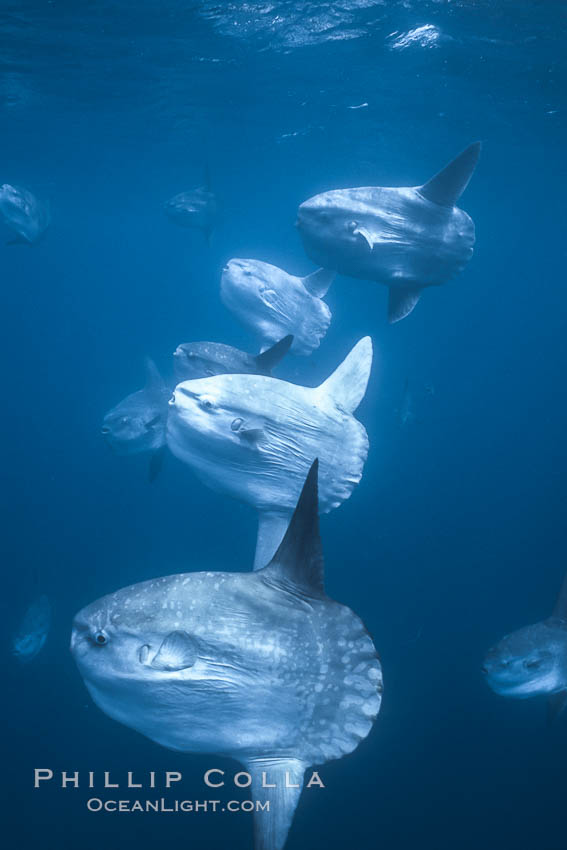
(273, 303)
(277, 674)
(23, 212)
(30, 638)
(393, 236)
(530, 661)
(204, 359)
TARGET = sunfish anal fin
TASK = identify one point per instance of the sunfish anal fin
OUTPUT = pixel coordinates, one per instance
(269, 358)
(299, 558)
(271, 826)
(449, 184)
(318, 283)
(401, 302)
(177, 652)
(556, 705)
(347, 385)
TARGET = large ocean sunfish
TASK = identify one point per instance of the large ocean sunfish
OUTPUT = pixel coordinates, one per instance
(254, 438)
(204, 359)
(271, 302)
(137, 424)
(406, 238)
(24, 213)
(533, 661)
(261, 667)
(30, 637)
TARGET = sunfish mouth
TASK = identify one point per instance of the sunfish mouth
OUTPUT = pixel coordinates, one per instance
(105, 429)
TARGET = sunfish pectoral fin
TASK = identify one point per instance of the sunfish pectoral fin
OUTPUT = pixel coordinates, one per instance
(347, 385)
(269, 358)
(556, 705)
(449, 184)
(251, 435)
(401, 302)
(365, 235)
(277, 784)
(156, 464)
(177, 652)
(299, 558)
(318, 283)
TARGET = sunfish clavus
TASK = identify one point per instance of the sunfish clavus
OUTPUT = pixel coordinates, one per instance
(254, 438)
(532, 661)
(407, 238)
(262, 667)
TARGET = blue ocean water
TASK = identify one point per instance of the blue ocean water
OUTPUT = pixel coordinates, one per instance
(456, 533)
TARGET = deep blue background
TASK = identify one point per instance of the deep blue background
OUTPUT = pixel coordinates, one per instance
(456, 533)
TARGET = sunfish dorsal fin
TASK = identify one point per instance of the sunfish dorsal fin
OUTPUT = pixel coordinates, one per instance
(318, 283)
(154, 380)
(284, 780)
(348, 382)
(560, 609)
(299, 557)
(272, 356)
(449, 184)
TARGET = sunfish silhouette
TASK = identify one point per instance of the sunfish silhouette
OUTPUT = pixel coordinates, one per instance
(196, 208)
(24, 213)
(272, 302)
(261, 667)
(31, 635)
(533, 661)
(406, 238)
(204, 359)
(137, 423)
(254, 438)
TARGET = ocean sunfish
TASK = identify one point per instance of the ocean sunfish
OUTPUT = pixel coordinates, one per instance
(261, 667)
(533, 661)
(271, 302)
(204, 359)
(405, 238)
(254, 438)
(196, 208)
(24, 213)
(29, 639)
(137, 424)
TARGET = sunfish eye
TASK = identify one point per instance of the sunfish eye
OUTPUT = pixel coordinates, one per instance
(236, 424)
(105, 429)
(101, 638)
(206, 403)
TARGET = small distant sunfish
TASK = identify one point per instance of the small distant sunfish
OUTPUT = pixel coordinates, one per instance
(262, 667)
(34, 628)
(196, 208)
(533, 661)
(204, 359)
(254, 438)
(272, 303)
(405, 238)
(24, 213)
(137, 424)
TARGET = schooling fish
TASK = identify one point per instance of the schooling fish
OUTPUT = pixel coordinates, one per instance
(406, 238)
(254, 438)
(196, 208)
(24, 213)
(272, 302)
(137, 423)
(533, 660)
(204, 359)
(261, 667)
(34, 628)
